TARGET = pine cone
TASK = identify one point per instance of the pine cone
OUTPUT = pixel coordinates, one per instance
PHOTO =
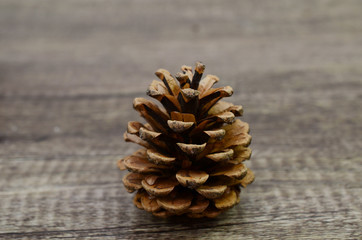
(193, 150)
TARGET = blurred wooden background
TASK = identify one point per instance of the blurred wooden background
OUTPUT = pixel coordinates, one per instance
(70, 69)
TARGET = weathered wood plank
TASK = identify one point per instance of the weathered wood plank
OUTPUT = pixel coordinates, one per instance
(70, 69)
(78, 197)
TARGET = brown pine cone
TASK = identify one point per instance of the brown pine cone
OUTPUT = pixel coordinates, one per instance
(193, 150)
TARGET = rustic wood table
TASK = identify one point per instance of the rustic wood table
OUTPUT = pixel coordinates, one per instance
(70, 69)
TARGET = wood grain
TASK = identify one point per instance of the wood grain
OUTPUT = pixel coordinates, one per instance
(70, 69)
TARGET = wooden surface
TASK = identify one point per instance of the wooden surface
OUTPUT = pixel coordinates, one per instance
(70, 69)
